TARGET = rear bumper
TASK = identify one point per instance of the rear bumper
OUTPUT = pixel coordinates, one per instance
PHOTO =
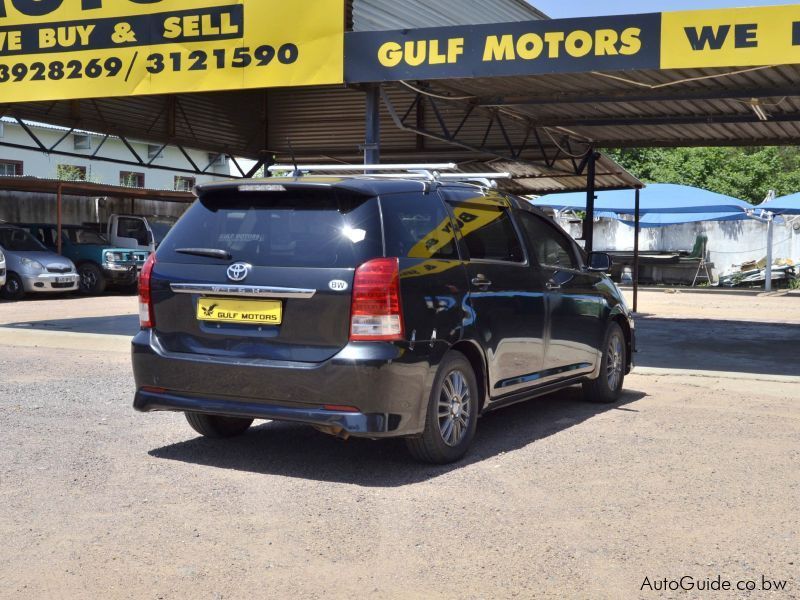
(389, 387)
(353, 423)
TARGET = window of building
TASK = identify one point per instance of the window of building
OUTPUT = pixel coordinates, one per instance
(10, 168)
(131, 179)
(217, 160)
(82, 141)
(184, 184)
(71, 173)
(154, 152)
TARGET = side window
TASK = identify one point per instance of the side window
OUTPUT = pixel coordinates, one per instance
(551, 247)
(133, 228)
(487, 229)
(46, 236)
(418, 226)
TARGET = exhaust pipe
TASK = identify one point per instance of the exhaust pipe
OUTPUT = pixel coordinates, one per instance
(333, 430)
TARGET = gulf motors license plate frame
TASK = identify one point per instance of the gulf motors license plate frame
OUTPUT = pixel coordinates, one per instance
(241, 311)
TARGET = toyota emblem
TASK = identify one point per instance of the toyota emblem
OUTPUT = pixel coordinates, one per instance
(238, 271)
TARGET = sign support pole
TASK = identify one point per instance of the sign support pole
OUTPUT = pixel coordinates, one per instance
(59, 213)
(636, 253)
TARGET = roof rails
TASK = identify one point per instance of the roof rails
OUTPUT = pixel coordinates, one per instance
(423, 172)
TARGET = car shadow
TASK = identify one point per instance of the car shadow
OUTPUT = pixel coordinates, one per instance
(293, 450)
(126, 325)
(718, 345)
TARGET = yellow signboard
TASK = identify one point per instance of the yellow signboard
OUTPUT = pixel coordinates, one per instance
(59, 49)
(730, 38)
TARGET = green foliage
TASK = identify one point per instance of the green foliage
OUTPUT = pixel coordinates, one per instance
(70, 173)
(746, 173)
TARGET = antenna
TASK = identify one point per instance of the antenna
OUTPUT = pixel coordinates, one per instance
(296, 172)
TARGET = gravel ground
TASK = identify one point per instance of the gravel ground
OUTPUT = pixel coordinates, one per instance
(560, 499)
(687, 476)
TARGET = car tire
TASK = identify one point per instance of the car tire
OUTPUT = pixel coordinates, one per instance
(13, 289)
(607, 388)
(452, 415)
(92, 281)
(216, 426)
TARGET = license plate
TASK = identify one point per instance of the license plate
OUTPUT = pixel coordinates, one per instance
(226, 310)
(64, 280)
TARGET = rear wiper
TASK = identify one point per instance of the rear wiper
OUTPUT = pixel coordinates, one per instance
(209, 252)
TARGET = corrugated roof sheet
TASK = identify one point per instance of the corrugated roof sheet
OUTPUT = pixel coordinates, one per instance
(377, 15)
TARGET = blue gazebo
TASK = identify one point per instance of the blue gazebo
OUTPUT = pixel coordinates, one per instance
(785, 205)
(656, 205)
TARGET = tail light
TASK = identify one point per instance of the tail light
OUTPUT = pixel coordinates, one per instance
(146, 319)
(376, 312)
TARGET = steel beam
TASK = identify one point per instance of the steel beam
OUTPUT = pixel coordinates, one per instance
(664, 95)
(372, 126)
(665, 120)
(588, 223)
(509, 153)
(127, 163)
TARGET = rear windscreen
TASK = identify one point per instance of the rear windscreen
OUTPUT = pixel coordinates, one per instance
(301, 228)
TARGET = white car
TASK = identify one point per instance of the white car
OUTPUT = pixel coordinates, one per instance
(2, 269)
(32, 268)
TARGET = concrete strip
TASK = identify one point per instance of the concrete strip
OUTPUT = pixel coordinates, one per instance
(35, 338)
(730, 375)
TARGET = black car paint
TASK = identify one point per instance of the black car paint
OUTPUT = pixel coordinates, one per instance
(505, 329)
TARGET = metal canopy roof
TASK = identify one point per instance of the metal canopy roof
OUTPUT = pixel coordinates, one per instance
(327, 123)
(539, 127)
(88, 188)
(700, 107)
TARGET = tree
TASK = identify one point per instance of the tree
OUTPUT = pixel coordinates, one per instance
(746, 173)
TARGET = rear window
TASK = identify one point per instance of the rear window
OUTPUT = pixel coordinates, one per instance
(302, 228)
(85, 237)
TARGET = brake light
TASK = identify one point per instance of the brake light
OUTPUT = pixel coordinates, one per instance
(376, 311)
(146, 319)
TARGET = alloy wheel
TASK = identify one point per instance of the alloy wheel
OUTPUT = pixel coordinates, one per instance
(614, 362)
(88, 280)
(455, 409)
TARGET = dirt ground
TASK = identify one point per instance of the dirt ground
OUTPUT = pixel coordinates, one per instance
(694, 473)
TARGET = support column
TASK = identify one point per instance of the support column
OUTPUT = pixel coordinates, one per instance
(59, 217)
(770, 237)
(637, 220)
(588, 223)
(372, 137)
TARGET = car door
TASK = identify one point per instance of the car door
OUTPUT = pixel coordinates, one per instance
(575, 309)
(505, 299)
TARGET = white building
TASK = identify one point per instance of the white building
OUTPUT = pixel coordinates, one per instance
(15, 161)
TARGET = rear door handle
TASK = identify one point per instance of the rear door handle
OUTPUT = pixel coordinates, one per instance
(481, 281)
(552, 285)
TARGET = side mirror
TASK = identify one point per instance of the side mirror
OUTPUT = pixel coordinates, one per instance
(600, 261)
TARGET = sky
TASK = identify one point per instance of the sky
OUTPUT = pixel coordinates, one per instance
(590, 8)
